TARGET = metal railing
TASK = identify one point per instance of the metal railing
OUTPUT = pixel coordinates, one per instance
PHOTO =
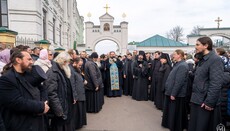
(25, 41)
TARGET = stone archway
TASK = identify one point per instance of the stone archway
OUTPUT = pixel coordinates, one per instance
(223, 32)
(117, 42)
(105, 46)
(107, 31)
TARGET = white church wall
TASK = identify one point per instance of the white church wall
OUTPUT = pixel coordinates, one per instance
(27, 20)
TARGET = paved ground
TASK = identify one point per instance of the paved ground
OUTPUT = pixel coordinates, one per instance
(125, 114)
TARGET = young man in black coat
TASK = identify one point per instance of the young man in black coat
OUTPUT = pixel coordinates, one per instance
(208, 79)
(21, 105)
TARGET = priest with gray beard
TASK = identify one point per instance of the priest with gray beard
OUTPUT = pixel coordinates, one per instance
(61, 94)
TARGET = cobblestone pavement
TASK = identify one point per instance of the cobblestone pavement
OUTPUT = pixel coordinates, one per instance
(125, 114)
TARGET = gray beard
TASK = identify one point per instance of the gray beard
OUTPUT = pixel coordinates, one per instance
(98, 64)
(66, 70)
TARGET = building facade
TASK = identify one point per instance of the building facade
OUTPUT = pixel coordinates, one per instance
(57, 21)
(106, 31)
(160, 43)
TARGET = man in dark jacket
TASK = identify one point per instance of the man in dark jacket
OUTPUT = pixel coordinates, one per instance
(21, 105)
(174, 112)
(80, 116)
(94, 85)
(205, 107)
(61, 93)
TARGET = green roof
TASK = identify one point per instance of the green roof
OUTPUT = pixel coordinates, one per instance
(6, 30)
(59, 49)
(42, 42)
(160, 41)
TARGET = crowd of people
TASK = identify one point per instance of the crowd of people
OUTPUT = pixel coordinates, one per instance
(41, 90)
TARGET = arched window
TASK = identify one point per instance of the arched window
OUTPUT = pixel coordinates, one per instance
(106, 27)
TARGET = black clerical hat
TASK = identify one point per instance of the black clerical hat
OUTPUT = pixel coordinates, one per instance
(36, 76)
(143, 54)
(94, 55)
(163, 56)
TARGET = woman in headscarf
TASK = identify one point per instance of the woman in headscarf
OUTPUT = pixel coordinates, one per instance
(43, 60)
(4, 58)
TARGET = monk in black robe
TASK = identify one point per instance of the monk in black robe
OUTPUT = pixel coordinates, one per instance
(154, 75)
(128, 75)
(140, 73)
(164, 71)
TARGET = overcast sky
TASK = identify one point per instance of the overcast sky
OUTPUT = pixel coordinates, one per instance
(149, 17)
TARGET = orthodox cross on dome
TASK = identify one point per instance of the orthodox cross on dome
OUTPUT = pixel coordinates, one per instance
(218, 22)
(106, 7)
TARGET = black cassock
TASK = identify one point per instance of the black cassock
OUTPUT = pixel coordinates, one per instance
(154, 74)
(94, 99)
(163, 75)
(103, 74)
(128, 81)
(140, 85)
(80, 106)
(174, 114)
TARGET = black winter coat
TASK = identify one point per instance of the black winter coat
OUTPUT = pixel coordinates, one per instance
(20, 103)
(79, 86)
(177, 81)
(57, 91)
(93, 76)
(208, 80)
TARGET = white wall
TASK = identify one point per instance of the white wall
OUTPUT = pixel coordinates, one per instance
(27, 20)
(96, 33)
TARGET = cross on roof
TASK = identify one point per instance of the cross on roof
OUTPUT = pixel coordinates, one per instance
(218, 22)
(106, 7)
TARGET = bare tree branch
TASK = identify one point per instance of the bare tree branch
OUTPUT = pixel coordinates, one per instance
(175, 34)
(196, 30)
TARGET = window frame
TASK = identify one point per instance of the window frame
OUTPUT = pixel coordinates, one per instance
(4, 14)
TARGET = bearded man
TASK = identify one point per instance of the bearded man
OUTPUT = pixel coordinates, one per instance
(206, 92)
(61, 93)
(113, 75)
(21, 106)
(140, 78)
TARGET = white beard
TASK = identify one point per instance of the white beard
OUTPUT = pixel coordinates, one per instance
(98, 64)
(66, 70)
